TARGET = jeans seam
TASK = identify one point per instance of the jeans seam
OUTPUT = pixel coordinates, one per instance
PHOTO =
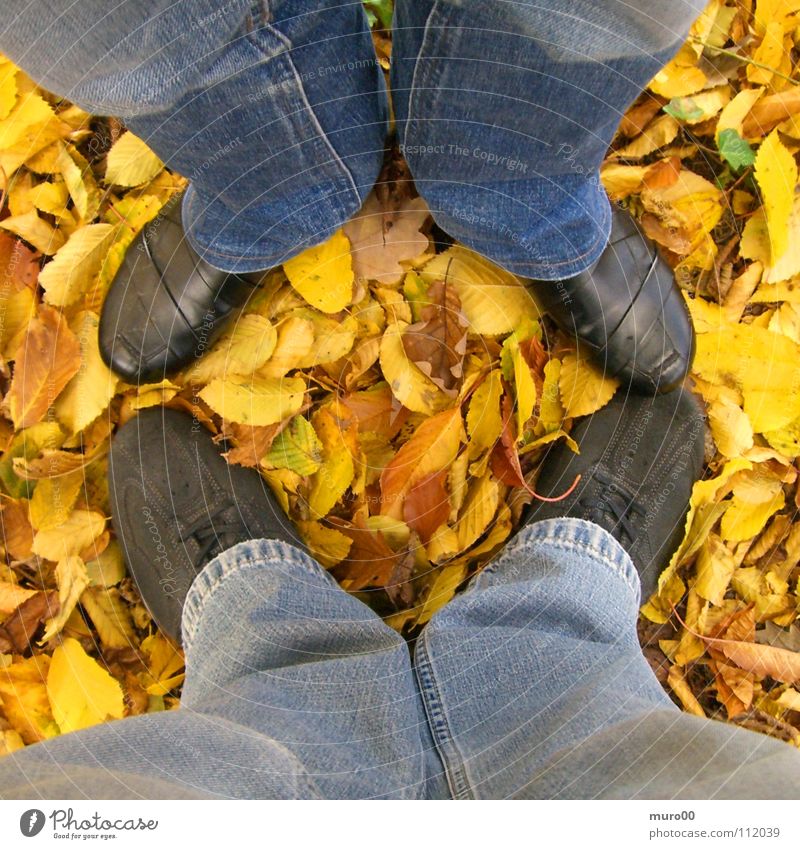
(286, 42)
(418, 73)
(453, 762)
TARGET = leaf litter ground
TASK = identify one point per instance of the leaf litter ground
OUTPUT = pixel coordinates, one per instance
(398, 392)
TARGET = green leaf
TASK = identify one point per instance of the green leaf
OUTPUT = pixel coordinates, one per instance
(380, 11)
(683, 109)
(735, 150)
(297, 448)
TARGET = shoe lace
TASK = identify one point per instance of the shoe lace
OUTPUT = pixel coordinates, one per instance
(615, 500)
(211, 537)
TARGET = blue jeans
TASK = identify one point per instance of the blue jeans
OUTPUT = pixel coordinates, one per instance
(276, 110)
(531, 684)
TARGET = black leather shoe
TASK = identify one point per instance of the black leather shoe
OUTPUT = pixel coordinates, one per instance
(166, 305)
(639, 459)
(627, 310)
(176, 504)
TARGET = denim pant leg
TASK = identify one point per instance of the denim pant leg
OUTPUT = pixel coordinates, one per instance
(294, 689)
(535, 687)
(274, 109)
(505, 111)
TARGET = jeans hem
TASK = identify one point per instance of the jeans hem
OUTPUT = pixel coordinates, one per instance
(244, 555)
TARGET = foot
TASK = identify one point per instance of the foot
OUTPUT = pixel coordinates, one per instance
(166, 305)
(176, 504)
(627, 310)
(639, 460)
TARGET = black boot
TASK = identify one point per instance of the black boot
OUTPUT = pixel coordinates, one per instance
(166, 305)
(627, 310)
(176, 504)
(639, 459)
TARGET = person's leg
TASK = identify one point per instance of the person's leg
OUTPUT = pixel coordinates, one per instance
(505, 111)
(536, 687)
(294, 689)
(275, 111)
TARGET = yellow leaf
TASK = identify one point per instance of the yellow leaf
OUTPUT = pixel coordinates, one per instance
(80, 182)
(776, 175)
(551, 413)
(677, 683)
(787, 265)
(409, 385)
(72, 580)
(336, 473)
(493, 300)
(8, 88)
(81, 692)
(164, 666)
(295, 340)
(323, 275)
(76, 265)
(90, 391)
(28, 128)
(733, 115)
(433, 447)
(130, 162)
(679, 77)
(245, 348)
(12, 596)
(584, 388)
(762, 365)
(23, 697)
(53, 500)
(255, 401)
(656, 135)
(715, 566)
(744, 519)
(333, 339)
(524, 386)
(484, 422)
(620, 181)
(479, 510)
(154, 394)
(730, 427)
(34, 230)
(51, 198)
(70, 538)
(327, 545)
(108, 568)
(769, 53)
(110, 617)
(704, 511)
(18, 310)
(442, 590)
(296, 448)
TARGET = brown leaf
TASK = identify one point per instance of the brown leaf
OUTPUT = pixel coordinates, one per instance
(505, 459)
(250, 444)
(780, 664)
(376, 410)
(383, 234)
(48, 358)
(370, 561)
(437, 344)
(19, 265)
(639, 116)
(427, 505)
(663, 174)
(770, 111)
(17, 530)
(672, 238)
(18, 631)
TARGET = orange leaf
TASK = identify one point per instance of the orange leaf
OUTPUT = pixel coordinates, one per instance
(427, 505)
(433, 447)
(49, 356)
